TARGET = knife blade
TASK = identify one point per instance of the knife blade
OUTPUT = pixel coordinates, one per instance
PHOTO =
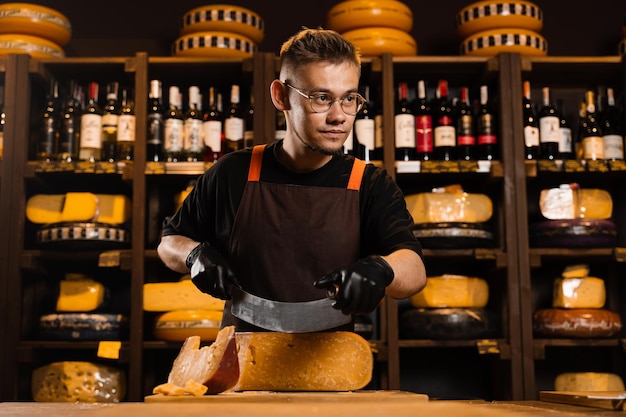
(279, 316)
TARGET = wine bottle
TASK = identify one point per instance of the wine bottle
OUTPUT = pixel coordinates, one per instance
(126, 127)
(444, 125)
(612, 134)
(110, 119)
(404, 121)
(566, 145)
(548, 128)
(486, 128)
(234, 122)
(364, 129)
(531, 126)
(212, 126)
(91, 127)
(465, 137)
(192, 143)
(348, 144)
(48, 139)
(423, 124)
(248, 134)
(174, 127)
(69, 132)
(156, 123)
(592, 146)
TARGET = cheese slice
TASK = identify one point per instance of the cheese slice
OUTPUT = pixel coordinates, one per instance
(454, 291)
(182, 295)
(178, 325)
(325, 361)
(436, 207)
(588, 381)
(55, 208)
(569, 201)
(113, 208)
(586, 292)
(79, 295)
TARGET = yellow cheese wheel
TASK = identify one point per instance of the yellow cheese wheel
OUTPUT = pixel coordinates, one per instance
(495, 41)
(182, 295)
(437, 207)
(214, 44)
(374, 41)
(588, 381)
(36, 20)
(36, 47)
(178, 325)
(353, 14)
(568, 202)
(79, 294)
(69, 207)
(226, 18)
(490, 14)
(587, 292)
(454, 291)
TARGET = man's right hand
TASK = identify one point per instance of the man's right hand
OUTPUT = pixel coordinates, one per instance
(210, 272)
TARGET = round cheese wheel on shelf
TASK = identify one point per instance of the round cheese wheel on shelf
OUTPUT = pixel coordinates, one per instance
(83, 326)
(584, 292)
(494, 41)
(35, 46)
(588, 381)
(493, 14)
(576, 323)
(83, 235)
(447, 323)
(214, 44)
(451, 290)
(375, 41)
(353, 14)
(454, 235)
(573, 233)
(178, 325)
(35, 20)
(224, 18)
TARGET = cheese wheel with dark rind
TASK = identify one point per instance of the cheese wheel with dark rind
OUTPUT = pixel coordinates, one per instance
(214, 44)
(494, 41)
(35, 20)
(354, 14)
(447, 323)
(178, 325)
(576, 323)
(35, 46)
(224, 18)
(490, 14)
(375, 41)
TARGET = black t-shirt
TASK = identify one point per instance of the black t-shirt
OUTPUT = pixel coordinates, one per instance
(208, 212)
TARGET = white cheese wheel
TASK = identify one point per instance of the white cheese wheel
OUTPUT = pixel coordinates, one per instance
(35, 46)
(35, 20)
(450, 290)
(588, 381)
(176, 326)
(214, 44)
(353, 14)
(587, 292)
(225, 18)
(375, 41)
(494, 41)
(490, 14)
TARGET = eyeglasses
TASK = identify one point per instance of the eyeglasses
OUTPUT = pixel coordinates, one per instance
(321, 102)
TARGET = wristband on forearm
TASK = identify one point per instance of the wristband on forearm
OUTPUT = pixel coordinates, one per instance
(193, 255)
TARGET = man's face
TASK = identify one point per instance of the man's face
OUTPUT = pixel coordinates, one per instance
(325, 131)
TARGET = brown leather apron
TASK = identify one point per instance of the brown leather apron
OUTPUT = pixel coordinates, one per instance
(285, 237)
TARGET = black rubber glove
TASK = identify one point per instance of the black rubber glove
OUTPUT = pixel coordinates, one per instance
(210, 272)
(361, 285)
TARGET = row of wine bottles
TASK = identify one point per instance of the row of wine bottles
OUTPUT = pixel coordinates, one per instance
(548, 134)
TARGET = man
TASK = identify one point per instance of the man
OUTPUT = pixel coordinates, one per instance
(293, 219)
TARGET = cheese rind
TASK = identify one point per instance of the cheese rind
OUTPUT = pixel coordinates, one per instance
(587, 292)
(457, 206)
(588, 381)
(181, 295)
(79, 295)
(450, 290)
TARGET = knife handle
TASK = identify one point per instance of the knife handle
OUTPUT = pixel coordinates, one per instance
(332, 292)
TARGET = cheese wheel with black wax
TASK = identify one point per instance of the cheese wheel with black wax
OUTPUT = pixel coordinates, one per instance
(576, 323)
(82, 235)
(514, 40)
(574, 233)
(451, 290)
(36, 20)
(375, 41)
(588, 381)
(214, 44)
(83, 326)
(178, 325)
(494, 14)
(224, 18)
(454, 235)
(447, 323)
(353, 14)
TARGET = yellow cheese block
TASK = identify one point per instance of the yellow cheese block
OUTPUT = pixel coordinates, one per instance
(376, 40)
(575, 271)
(354, 14)
(55, 208)
(182, 295)
(455, 291)
(495, 41)
(587, 292)
(78, 381)
(113, 208)
(178, 325)
(493, 14)
(214, 44)
(36, 47)
(325, 361)
(572, 202)
(588, 381)
(36, 20)
(79, 295)
(225, 18)
(449, 207)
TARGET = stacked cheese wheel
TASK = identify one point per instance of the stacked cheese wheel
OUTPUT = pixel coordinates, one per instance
(489, 27)
(449, 307)
(374, 26)
(219, 30)
(38, 31)
(577, 308)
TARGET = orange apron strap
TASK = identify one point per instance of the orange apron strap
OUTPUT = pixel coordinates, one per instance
(354, 183)
(254, 173)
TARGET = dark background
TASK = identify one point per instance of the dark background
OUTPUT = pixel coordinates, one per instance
(116, 27)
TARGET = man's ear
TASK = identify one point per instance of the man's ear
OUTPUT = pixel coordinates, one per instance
(278, 93)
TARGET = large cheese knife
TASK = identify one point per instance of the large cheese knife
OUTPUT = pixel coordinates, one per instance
(279, 316)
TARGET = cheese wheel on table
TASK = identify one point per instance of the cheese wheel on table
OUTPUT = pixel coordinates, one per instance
(354, 14)
(36, 20)
(214, 44)
(576, 323)
(178, 325)
(375, 41)
(494, 41)
(493, 14)
(224, 18)
(587, 292)
(450, 290)
(588, 381)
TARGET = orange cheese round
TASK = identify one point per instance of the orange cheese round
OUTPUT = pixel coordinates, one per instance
(178, 325)
(36, 20)
(490, 14)
(375, 41)
(214, 44)
(353, 14)
(36, 47)
(495, 41)
(224, 18)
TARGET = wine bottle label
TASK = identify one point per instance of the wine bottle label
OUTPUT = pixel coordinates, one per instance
(365, 131)
(405, 130)
(466, 140)
(549, 129)
(234, 129)
(91, 131)
(109, 121)
(593, 148)
(193, 136)
(173, 135)
(531, 136)
(424, 133)
(378, 132)
(155, 129)
(565, 140)
(126, 125)
(487, 139)
(213, 134)
(445, 136)
(613, 146)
